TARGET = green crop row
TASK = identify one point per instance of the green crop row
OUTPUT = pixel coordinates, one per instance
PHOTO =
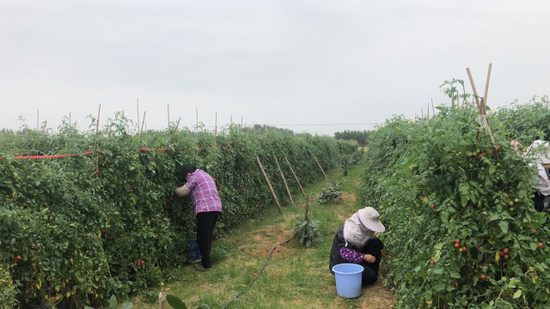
(76, 230)
(462, 231)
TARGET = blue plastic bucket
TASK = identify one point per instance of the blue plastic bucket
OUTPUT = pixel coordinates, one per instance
(348, 279)
(193, 251)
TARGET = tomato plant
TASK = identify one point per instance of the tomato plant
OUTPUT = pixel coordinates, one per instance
(444, 194)
(76, 230)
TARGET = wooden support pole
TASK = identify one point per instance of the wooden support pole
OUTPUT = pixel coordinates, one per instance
(295, 177)
(433, 109)
(97, 142)
(97, 123)
(307, 207)
(487, 85)
(319, 164)
(168, 111)
(142, 123)
(428, 110)
(137, 107)
(197, 112)
(216, 125)
(482, 106)
(270, 187)
(162, 300)
(175, 131)
(473, 87)
(284, 180)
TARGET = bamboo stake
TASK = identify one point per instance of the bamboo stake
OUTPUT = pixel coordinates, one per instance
(422, 111)
(137, 106)
(482, 106)
(487, 85)
(295, 177)
(473, 86)
(162, 300)
(270, 187)
(284, 180)
(168, 110)
(197, 113)
(97, 142)
(175, 131)
(141, 130)
(433, 109)
(428, 110)
(44, 128)
(307, 207)
(319, 164)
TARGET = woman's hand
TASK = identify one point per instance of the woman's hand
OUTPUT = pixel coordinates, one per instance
(369, 258)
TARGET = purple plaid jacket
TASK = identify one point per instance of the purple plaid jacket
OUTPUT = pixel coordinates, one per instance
(204, 193)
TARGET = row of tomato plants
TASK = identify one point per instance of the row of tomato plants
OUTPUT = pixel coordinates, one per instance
(76, 230)
(462, 231)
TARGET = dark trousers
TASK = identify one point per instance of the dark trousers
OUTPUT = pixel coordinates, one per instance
(538, 200)
(373, 247)
(205, 228)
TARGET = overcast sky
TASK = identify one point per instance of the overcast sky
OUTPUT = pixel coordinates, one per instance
(274, 62)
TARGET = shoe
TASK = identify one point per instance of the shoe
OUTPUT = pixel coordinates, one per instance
(199, 267)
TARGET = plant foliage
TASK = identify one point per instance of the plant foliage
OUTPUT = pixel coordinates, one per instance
(461, 228)
(332, 194)
(76, 230)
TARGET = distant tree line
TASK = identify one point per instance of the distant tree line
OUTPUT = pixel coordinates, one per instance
(360, 136)
(260, 128)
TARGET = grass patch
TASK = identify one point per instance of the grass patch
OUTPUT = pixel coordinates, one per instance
(295, 277)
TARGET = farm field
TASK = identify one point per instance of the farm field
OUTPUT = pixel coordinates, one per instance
(295, 276)
(87, 216)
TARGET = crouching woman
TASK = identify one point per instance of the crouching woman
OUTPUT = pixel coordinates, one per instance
(354, 242)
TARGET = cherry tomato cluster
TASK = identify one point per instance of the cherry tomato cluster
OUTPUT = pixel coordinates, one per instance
(505, 253)
(139, 262)
(457, 245)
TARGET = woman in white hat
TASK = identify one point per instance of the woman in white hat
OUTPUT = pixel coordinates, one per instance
(354, 242)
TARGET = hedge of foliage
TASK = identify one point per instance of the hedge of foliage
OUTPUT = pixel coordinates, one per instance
(462, 231)
(76, 230)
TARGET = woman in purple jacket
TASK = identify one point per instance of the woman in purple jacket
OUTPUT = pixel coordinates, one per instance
(354, 242)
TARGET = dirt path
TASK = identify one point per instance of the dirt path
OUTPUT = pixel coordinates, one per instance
(294, 277)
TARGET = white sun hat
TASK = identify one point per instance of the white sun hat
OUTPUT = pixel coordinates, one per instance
(360, 227)
(370, 219)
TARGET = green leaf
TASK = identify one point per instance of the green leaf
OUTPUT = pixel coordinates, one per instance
(455, 274)
(517, 294)
(127, 306)
(439, 287)
(503, 226)
(175, 302)
(113, 304)
(533, 246)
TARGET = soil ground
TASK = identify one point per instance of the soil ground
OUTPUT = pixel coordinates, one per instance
(294, 276)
